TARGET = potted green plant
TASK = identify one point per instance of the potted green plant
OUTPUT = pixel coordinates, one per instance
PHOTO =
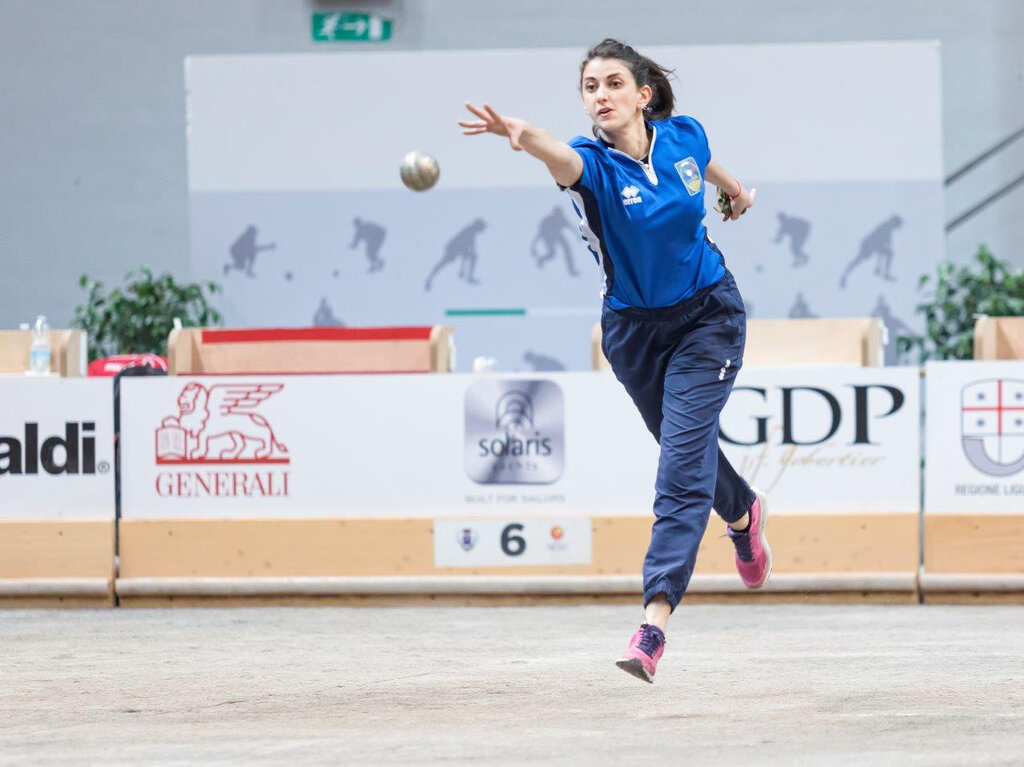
(987, 286)
(138, 317)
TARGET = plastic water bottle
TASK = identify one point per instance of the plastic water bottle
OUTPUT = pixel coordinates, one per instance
(485, 365)
(39, 352)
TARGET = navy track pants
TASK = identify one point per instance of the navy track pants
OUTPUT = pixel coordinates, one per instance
(678, 365)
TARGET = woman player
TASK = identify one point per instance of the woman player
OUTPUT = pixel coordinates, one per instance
(673, 323)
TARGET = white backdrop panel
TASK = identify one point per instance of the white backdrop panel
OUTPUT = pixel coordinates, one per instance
(779, 113)
(296, 207)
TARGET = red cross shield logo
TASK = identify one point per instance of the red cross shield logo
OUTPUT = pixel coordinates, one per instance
(992, 426)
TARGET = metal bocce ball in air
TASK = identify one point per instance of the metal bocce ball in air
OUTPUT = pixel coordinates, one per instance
(419, 171)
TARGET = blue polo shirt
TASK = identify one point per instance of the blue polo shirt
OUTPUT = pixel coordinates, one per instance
(645, 223)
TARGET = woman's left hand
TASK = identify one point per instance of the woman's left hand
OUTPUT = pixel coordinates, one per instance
(740, 203)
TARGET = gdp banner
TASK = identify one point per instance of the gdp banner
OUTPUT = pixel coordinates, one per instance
(828, 439)
(974, 455)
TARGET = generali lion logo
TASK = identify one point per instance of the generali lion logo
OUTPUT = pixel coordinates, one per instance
(992, 426)
(219, 424)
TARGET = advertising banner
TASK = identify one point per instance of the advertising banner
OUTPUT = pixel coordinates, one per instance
(974, 453)
(499, 446)
(823, 440)
(56, 448)
(382, 446)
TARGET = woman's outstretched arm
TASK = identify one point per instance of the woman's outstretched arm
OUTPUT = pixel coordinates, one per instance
(562, 161)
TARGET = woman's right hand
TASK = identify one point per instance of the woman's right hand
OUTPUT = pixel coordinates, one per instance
(563, 162)
(492, 122)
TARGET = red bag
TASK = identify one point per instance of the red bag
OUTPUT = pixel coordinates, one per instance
(111, 366)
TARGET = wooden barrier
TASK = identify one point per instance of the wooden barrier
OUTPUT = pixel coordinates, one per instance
(209, 351)
(999, 338)
(180, 561)
(67, 351)
(838, 558)
(52, 553)
(973, 558)
(60, 563)
(169, 550)
(846, 341)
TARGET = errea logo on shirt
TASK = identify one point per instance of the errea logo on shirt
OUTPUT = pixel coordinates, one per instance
(631, 195)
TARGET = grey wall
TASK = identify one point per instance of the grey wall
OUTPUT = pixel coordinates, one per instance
(92, 159)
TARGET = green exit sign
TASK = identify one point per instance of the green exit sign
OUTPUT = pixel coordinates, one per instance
(342, 27)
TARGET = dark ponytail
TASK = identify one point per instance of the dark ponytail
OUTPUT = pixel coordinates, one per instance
(645, 72)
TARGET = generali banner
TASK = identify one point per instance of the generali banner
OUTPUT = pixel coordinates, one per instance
(498, 446)
(56, 448)
(974, 455)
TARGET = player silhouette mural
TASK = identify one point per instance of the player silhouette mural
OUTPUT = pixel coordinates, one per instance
(800, 310)
(324, 316)
(549, 239)
(462, 249)
(877, 245)
(243, 252)
(372, 236)
(538, 361)
(796, 230)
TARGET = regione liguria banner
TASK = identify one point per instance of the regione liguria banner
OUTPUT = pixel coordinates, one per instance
(974, 455)
(500, 447)
(56, 448)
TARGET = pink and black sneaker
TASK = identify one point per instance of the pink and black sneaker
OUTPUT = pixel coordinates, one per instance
(753, 555)
(645, 648)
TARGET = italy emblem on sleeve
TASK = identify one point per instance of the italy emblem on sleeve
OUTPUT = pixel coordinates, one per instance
(690, 174)
(993, 426)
